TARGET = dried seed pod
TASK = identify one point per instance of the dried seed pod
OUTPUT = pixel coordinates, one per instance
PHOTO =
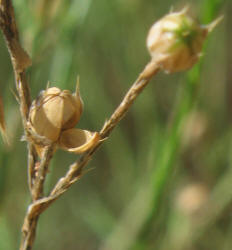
(175, 41)
(78, 141)
(53, 111)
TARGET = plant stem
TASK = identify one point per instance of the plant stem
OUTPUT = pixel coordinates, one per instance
(29, 232)
(76, 169)
(20, 61)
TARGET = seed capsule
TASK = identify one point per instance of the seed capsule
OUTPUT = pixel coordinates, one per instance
(77, 140)
(175, 41)
(52, 118)
(53, 111)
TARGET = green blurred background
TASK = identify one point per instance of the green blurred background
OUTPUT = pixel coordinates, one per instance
(163, 180)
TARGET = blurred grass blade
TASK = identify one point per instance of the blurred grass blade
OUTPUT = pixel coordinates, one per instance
(6, 239)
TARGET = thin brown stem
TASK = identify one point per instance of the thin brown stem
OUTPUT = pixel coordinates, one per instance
(35, 209)
(31, 165)
(150, 70)
(37, 190)
(76, 169)
(29, 233)
(20, 61)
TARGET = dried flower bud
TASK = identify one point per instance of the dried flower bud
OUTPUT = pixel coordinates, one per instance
(175, 41)
(53, 111)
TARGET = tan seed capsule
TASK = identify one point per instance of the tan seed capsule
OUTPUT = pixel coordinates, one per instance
(175, 41)
(53, 111)
(77, 140)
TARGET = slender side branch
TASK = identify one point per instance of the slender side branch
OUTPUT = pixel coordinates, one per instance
(37, 191)
(34, 211)
(150, 70)
(32, 156)
(76, 169)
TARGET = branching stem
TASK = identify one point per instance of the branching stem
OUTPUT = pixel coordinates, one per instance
(36, 177)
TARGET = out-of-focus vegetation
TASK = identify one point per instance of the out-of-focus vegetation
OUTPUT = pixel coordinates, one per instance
(163, 180)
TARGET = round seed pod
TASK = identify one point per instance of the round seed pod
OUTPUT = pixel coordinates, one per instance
(53, 111)
(175, 41)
